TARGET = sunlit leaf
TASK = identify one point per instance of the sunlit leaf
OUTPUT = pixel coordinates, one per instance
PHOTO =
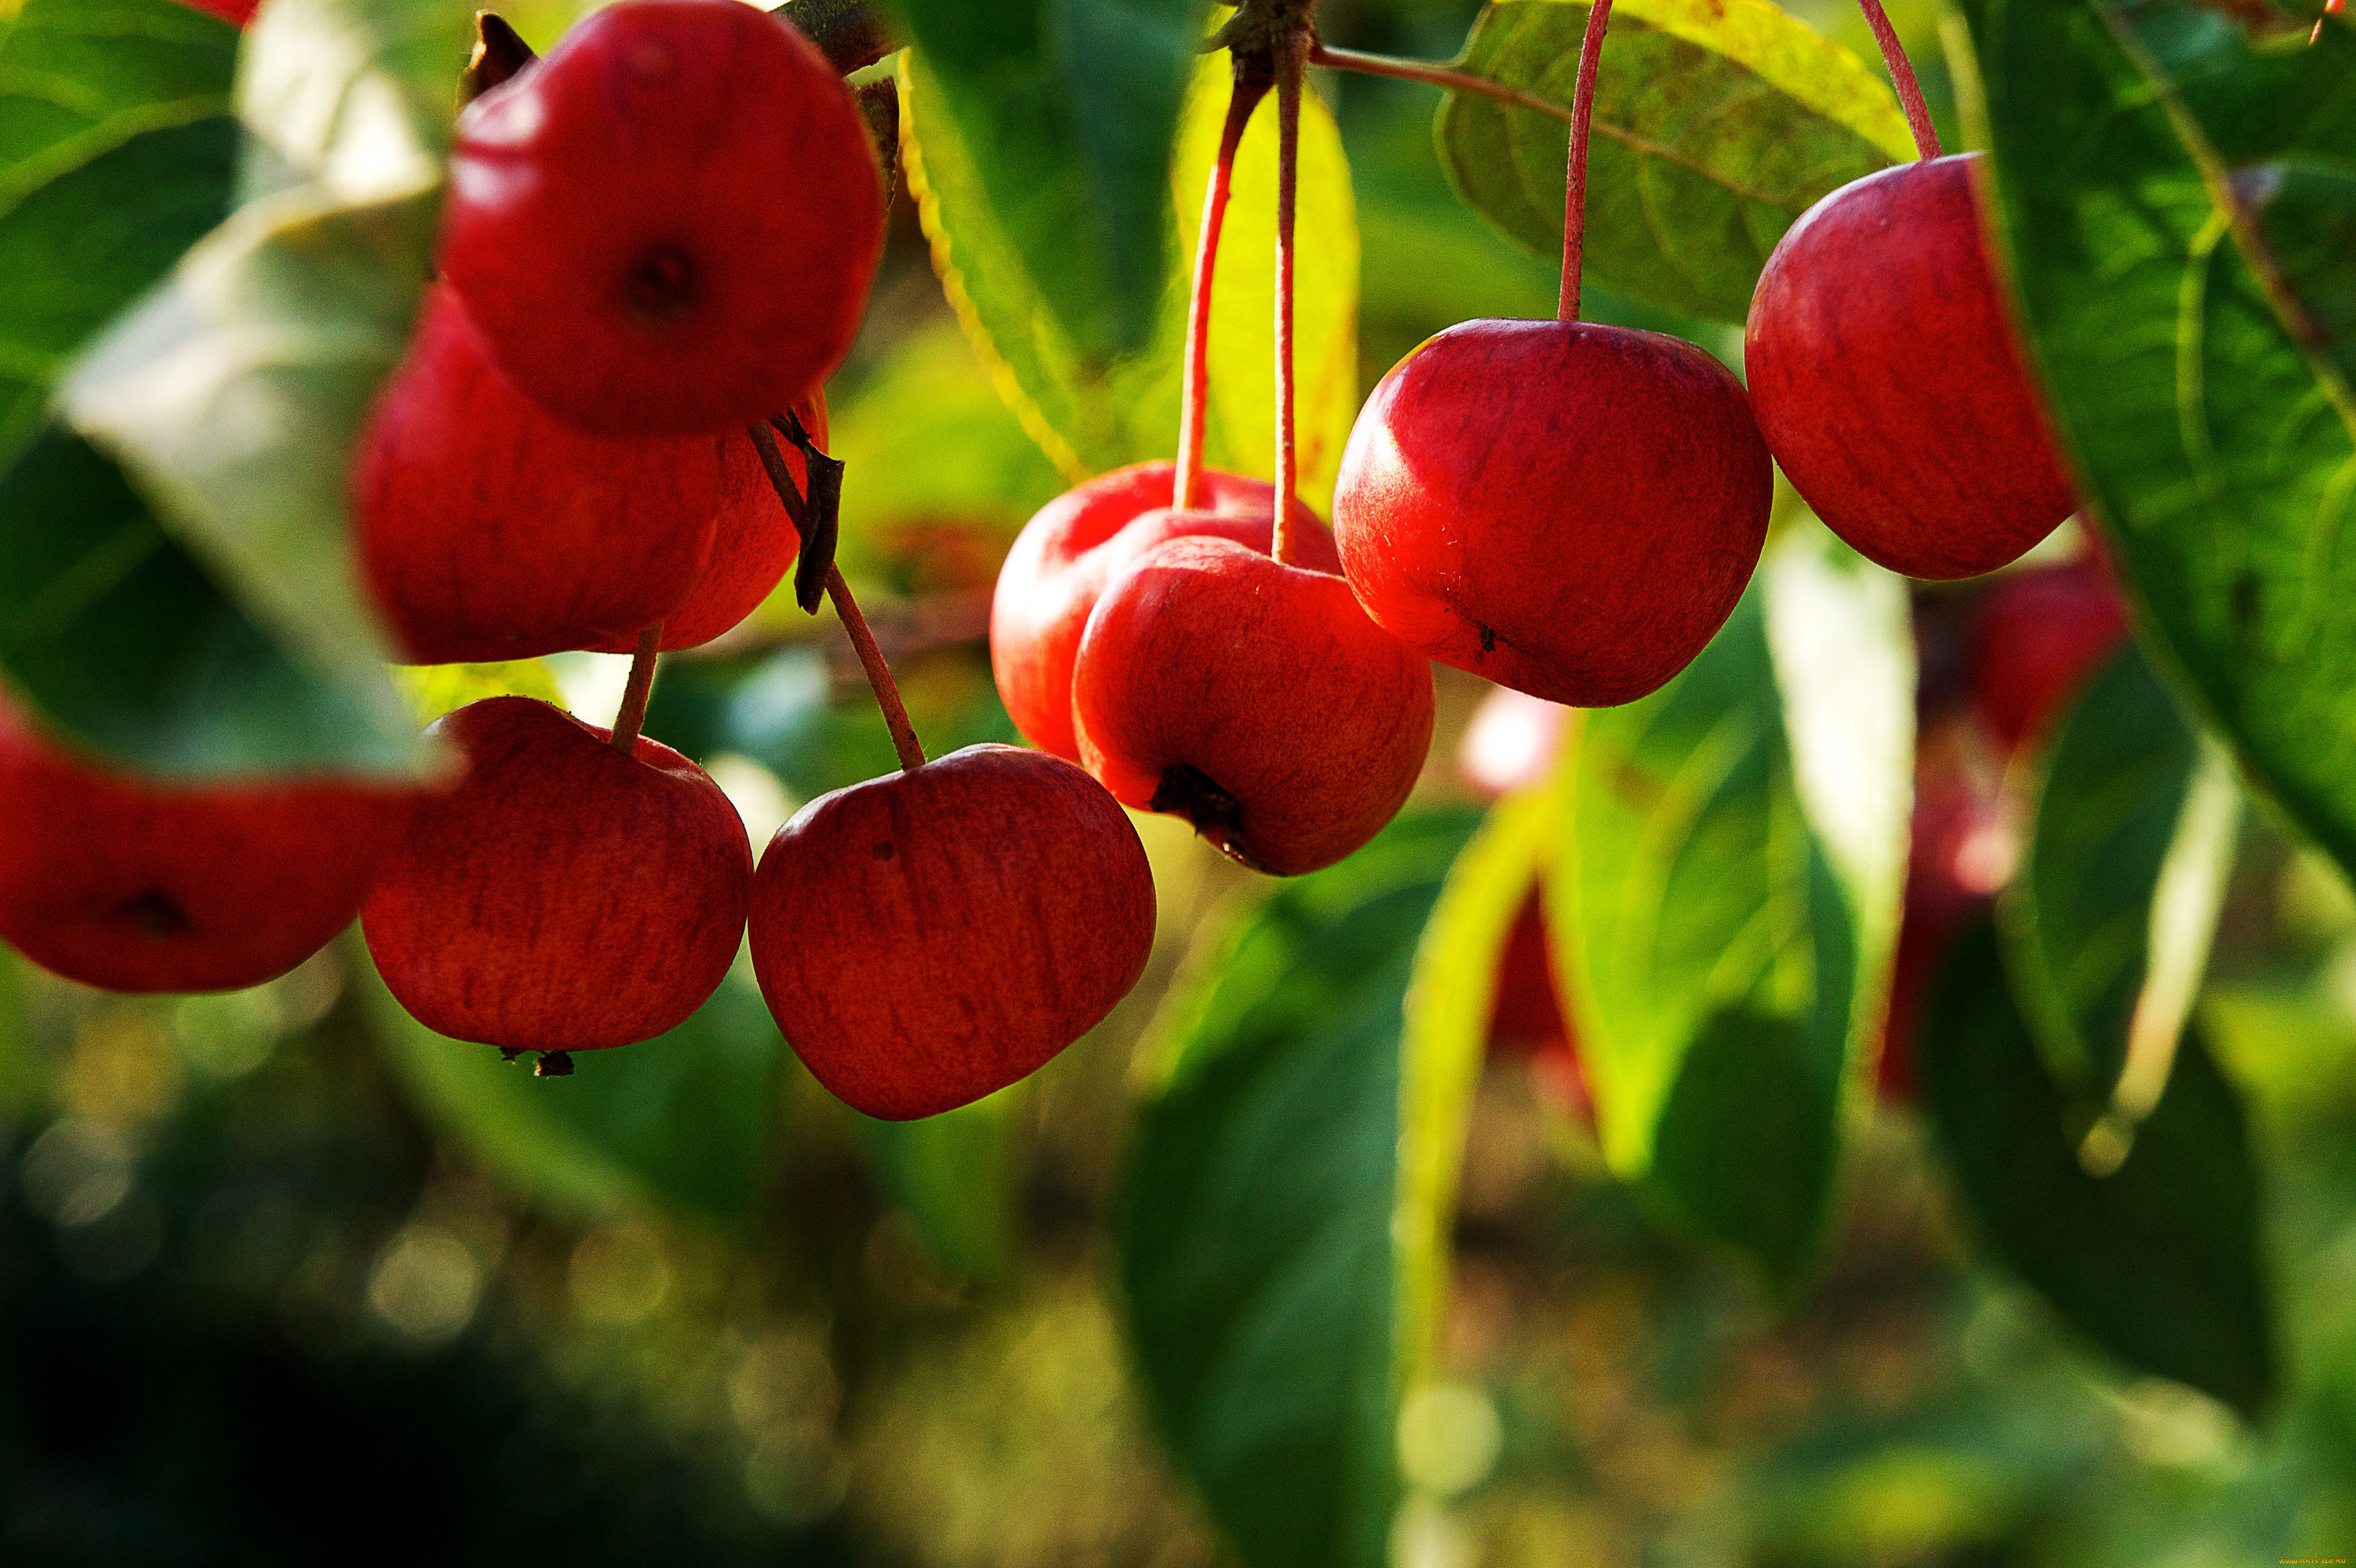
(1734, 857)
(2156, 1259)
(1258, 1256)
(1717, 123)
(2180, 199)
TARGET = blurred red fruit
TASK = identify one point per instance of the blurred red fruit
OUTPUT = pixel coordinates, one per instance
(2037, 636)
(1962, 853)
(238, 12)
(131, 886)
(926, 938)
(669, 225)
(490, 531)
(1076, 544)
(1889, 383)
(567, 897)
(1566, 509)
(1527, 1019)
(1254, 699)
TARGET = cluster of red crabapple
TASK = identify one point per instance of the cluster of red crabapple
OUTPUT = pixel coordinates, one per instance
(609, 434)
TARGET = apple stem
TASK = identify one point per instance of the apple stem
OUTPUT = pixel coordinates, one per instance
(1292, 58)
(1251, 85)
(633, 715)
(1901, 74)
(1574, 197)
(1432, 75)
(879, 673)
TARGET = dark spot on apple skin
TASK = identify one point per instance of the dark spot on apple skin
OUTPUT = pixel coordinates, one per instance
(884, 850)
(1488, 641)
(664, 285)
(156, 913)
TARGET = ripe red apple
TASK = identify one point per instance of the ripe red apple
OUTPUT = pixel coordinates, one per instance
(927, 939)
(2036, 636)
(1066, 553)
(131, 886)
(669, 225)
(1252, 698)
(754, 542)
(488, 531)
(1566, 509)
(1891, 383)
(1527, 1020)
(567, 897)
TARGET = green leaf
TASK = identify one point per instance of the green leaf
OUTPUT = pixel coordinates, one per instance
(958, 1175)
(2200, 377)
(1255, 1239)
(130, 647)
(689, 1120)
(2158, 1262)
(1242, 422)
(117, 153)
(1066, 114)
(1717, 123)
(2107, 925)
(232, 395)
(1729, 913)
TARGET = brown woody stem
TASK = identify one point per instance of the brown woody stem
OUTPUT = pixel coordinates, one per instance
(879, 673)
(633, 715)
(1432, 75)
(1293, 54)
(852, 34)
(1901, 74)
(1251, 86)
(1574, 197)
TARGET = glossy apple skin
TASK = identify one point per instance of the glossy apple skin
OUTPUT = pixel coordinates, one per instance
(1889, 381)
(2036, 636)
(488, 531)
(926, 938)
(667, 226)
(754, 542)
(1205, 662)
(129, 885)
(1075, 545)
(566, 897)
(1566, 509)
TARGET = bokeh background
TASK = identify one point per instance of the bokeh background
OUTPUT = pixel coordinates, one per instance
(283, 1280)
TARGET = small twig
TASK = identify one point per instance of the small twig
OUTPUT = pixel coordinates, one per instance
(1251, 84)
(821, 528)
(1432, 75)
(878, 674)
(1574, 200)
(633, 715)
(781, 479)
(1901, 74)
(1291, 59)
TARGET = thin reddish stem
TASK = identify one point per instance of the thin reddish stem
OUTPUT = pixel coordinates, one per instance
(1249, 89)
(1293, 59)
(1902, 72)
(1574, 190)
(878, 674)
(1432, 75)
(632, 717)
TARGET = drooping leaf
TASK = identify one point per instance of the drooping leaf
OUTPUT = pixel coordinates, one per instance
(1256, 1240)
(117, 152)
(1717, 123)
(689, 1119)
(2158, 1262)
(433, 690)
(2125, 791)
(231, 396)
(1066, 114)
(1242, 422)
(129, 644)
(959, 1176)
(2172, 189)
(1734, 860)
